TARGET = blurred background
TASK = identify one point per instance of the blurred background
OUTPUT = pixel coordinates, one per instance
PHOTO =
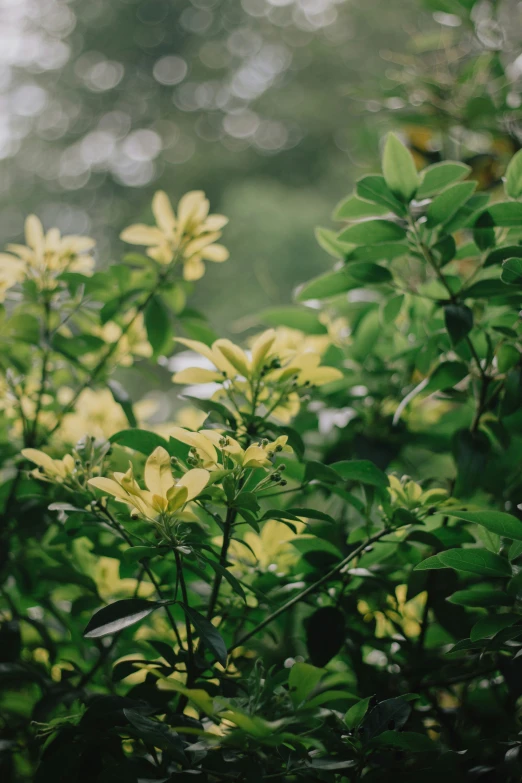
(273, 107)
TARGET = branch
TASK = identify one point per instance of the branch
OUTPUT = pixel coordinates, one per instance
(311, 589)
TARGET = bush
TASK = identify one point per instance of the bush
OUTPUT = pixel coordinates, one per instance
(313, 573)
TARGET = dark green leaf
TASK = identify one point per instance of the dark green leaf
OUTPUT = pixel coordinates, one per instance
(387, 715)
(373, 188)
(209, 635)
(495, 521)
(157, 323)
(121, 397)
(372, 232)
(490, 625)
(480, 597)
(459, 321)
(119, 615)
(476, 561)
(140, 440)
(411, 741)
(369, 273)
(361, 470)
(512, 271)
(325, 634)
(446, 376)
(505, 213)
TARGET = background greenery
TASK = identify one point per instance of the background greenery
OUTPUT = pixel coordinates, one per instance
(370, 670)
(260, 103)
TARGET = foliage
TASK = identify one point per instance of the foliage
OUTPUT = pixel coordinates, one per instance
(313, 574)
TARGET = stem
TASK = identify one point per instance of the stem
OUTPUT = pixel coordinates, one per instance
(106, 356)
(428, 257)
(123, 533)
(311, 589)
(218, 578)
(31, 438)
(191, 664)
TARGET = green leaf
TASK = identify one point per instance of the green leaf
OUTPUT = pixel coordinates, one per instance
(211, 406)
(301, 318)
(446, 204)
(445, 376)
(121, 397)
(157, 323)
(361, 470)
(389, 713)
(488, 626)
(373, 188)
(318, 471)
(140, 440)
(157, 734)
(355, 208)
(392, 308)
(430, 564)
(411, 741)
(209, 635)
(399, 169)
(512, 271)
(326, 286)
(438, 176)
(500, 254)
(487, 289)
(504, 213)
(330, 242)
(480, 597)
(513, 184)
(136, 553)
(302, 681)
(476, 561)
(459, 321)
(355, 714)
(507, 357)
(386, 251)
(495, 521)
(369, 273)
(119, 615)
(325, 634)
(372, 232)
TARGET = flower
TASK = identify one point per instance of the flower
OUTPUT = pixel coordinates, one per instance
(11, 272)
(263, 376)
(206, 445)
(192, 233)
(45, 256)
(132, 339)
(164, 496)
(405, 493)
(96, 413)
(49, 469)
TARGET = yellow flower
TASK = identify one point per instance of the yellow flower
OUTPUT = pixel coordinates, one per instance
(207, 445)
(406, 493)
(96, 413)
(56, 470)
(192, 233)
(12, 271)
(164, 496)
(47, 255)
(269, 550)
(131, 343)
(262, 376)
